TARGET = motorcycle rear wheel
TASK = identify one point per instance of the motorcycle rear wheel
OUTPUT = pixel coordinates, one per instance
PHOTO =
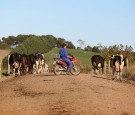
(76, 69)
(57, 70)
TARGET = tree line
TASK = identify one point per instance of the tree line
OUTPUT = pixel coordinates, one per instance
(28, 44)
(107, 52)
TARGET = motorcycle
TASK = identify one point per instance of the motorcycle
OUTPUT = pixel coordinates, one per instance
(60, 65)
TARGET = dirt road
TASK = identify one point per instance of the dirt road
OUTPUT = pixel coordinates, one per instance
(85, 94)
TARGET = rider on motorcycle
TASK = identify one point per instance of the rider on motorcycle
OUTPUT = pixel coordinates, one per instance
(65, 57)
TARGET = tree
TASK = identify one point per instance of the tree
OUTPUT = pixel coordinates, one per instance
(126, 51)
(81, 43)
(88, 48)
(60, 41)
(70, 45)
(36, 44)
(95, 49)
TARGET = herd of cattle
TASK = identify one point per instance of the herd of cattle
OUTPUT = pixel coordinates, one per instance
(35, 63)
(117, 62)
(22, 63)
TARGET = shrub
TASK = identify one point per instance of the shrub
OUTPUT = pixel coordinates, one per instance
(131, 72)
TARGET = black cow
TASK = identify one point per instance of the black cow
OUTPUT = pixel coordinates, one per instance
(27, 62)
(97, 62)
(15, 62)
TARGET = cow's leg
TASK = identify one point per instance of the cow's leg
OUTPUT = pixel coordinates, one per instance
(121, 68)
(16, 72)
(13, 71)
(118, 75)
(95, 70)
(113, 69)
(43, 68)
(34, 69)
(39, 69)
(31, 71)
(46, 67)
(102, 71)
(121, 76)
(102, 67)
(19, 70)
(23, 69)
(37, 64)
(16, 65)
(113, 72)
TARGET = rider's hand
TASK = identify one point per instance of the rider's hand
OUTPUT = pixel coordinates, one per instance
(69, 56)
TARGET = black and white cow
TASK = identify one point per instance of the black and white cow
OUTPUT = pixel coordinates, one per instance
(117, 62)
(15, 63)
(39, 62)
(97, 62)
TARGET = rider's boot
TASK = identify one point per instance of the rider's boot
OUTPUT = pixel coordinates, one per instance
(68, 71)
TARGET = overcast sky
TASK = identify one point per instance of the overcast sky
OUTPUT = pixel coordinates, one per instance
(107, 22)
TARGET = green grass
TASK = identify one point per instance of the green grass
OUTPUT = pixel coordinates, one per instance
(83, 56)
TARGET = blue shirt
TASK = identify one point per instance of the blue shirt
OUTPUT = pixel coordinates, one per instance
(63, 53)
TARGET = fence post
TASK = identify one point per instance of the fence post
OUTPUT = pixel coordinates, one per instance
(8, 65)
(105, 67)
(0, 67)
(127, 64)
(109, 67)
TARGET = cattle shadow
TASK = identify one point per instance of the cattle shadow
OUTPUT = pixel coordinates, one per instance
(102, 77)
(43, 75)
(48, 74)
(6, 74)
(47, 80)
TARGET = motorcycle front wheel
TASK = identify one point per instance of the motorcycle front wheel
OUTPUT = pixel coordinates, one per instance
(57, 70)
(76, 69)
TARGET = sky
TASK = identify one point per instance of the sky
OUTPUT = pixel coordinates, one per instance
(105, 22)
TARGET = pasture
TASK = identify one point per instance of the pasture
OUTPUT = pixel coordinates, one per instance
(84, 56)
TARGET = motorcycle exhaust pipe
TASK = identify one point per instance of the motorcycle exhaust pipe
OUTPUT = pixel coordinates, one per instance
(62, 69)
